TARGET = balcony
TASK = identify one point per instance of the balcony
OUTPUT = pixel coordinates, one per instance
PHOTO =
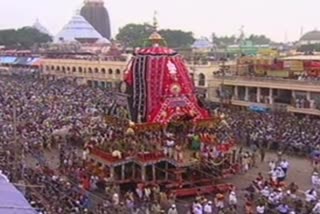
(269, 82)
(289, 108)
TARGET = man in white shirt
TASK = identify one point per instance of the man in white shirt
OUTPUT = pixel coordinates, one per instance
(198, 209)
(260, 209)
(265, 192)
(311, 195)
(173, 209)
(284, 164)
(208, 208)
(170, 146)
(233, 199)
(315, 180)
(281, 175)
(316, 208)
(273, 198)
(272, 165)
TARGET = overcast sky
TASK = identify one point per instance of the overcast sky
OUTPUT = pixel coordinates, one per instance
(275, 18)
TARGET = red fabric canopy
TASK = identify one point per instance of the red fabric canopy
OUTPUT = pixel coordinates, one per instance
(162, 75)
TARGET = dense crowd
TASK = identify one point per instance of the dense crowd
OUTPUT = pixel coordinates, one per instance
(64, 116)
(287, 132)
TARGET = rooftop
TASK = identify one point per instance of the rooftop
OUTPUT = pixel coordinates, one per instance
(77, 29)
(11, 200)
(303, 58)
(311, 36)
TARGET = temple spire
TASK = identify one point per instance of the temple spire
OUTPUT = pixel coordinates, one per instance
(93, 1)
(155, 21)
(155, 39)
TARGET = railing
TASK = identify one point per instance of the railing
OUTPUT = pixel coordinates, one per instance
(144, 157)
(269, 79)
(104, 155)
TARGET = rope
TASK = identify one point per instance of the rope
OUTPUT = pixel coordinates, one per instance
(218, 163)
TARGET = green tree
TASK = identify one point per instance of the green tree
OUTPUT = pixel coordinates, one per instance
(259, 39)
(134, 35)
(23, 38)
(177, 38)
(223, 41)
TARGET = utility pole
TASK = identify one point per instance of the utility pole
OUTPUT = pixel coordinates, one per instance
(222, 91)
(15, 142)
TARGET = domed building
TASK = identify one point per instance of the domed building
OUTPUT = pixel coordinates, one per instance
(97, 15)
(310, 38)
(37, 25)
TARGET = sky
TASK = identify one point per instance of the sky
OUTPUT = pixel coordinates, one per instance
(281, 20)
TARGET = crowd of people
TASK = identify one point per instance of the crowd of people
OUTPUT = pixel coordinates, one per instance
(287, 132)
(60, 115)
(272, 193)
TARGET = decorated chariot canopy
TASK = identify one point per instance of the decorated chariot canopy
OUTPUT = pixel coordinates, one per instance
(160, 85)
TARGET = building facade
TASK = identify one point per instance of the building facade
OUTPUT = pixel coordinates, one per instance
(105, 74)
(297, 96)
(292, 95)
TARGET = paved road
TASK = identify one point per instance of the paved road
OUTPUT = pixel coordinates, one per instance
(300, 171)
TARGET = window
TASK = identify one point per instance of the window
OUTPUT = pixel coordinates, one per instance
(68, 68)
(202, 80)
(80, 69)
(103, 70)
(90, 70)
(110, 71)
(191, 76)
(63, 69)
(74, 69)
(96, 70)
(52, 67)
(47, 68)
(58, 68)
(118, 71)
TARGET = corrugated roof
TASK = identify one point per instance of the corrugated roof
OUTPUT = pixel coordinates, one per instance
(202, 43)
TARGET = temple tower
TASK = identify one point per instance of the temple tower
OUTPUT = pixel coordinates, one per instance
(97, 15)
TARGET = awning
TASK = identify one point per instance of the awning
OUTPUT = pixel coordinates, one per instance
(7, 59)
(11, 200)
(34, 61)
(21, 61)
(256, 108)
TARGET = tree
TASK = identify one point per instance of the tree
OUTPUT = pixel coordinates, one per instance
(134, 35)
(23, 38)
(259, 39)
(177, 38)
(223, 41)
